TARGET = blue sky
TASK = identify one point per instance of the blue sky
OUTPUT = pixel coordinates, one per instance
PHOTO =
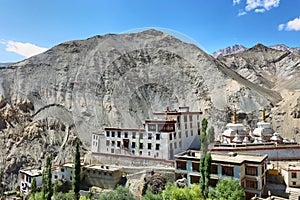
(32, 26)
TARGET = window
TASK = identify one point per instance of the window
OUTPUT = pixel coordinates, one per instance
(191, 125)
(113, 143)
(149, 136)
(141, 136)
(191, 117)
(107, 133)
(107, 142)
(118, 143)
(141, 145)
(119, 134)
(149, 154)
(157, 146)
(251, 170)
(251, 184)
(149, 145)
(62, 169)
(112, 150)
(185, 118)
(196, 166)
(171, 146)
(294, 174)
(181, 165)
(133, 135)
(157, 136)
(151, 127)
(175, 145)
(179, 134)
(133, 145)
(175, 136)
(70, 177)
(185, 126)
(180, 144)
(227, 171)
(213, 182)
(112, 134)
(192, 133)
(214, 169)
(294, 183)
(170, 136)
(125, 135)
(186, 134)
(141, 153)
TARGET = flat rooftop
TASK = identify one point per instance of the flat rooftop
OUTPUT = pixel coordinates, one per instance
(103, 167)
(231, 157)
(32, 172)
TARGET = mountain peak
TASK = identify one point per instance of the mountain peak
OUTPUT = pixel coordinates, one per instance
(229, 50)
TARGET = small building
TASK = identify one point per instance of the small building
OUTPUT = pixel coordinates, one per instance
(248, 169)
(169, 133)
(291, 174)
(26, 177)
(103, 176)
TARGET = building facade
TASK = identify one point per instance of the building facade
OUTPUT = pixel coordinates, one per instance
(26, 177)
(248, 169)
(169, 133)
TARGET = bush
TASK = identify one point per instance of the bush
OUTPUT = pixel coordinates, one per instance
(120, 193)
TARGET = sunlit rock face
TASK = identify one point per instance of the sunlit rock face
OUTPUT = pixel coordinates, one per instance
(82, 86)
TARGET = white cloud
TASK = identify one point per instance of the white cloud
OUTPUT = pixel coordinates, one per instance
(259, 10)
(241, 13)
(293, 25)
(281, 27)
(252, 4)
(24, 49)
(258, 6)
(236, 2)
(268, 4)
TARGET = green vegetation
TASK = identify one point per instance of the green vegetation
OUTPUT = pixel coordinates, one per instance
(227, 189)
(76, 174)
(33, 187)
(47, 190)
(120, 193)
(205, 161)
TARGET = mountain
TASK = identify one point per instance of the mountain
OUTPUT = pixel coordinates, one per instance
(283, 47)
(277, 70)
(118, 80)
(5, 64)
(229, 50)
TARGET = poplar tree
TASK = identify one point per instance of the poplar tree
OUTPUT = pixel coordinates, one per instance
(33, 187)
(76, 173)
(49, 192)
(205, 161)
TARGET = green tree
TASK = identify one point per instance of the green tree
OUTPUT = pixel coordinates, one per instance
(33, 187)
(120, 193)
(76, 173)
(48, 182)
(207, 171)
(205, 161)
(228, 189)
(188, 193)
(44, 185)
(149, 195)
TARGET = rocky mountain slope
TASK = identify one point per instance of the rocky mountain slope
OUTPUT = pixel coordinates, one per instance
(82, 86)
(277, 70)
(240, 48)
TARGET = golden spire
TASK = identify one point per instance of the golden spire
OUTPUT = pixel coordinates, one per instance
(234, 117)
(263, 115)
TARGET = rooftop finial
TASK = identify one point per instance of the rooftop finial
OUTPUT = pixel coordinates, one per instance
(263, 115)
(234, 117)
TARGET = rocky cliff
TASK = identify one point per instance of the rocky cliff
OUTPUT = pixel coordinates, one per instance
(82, 86)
